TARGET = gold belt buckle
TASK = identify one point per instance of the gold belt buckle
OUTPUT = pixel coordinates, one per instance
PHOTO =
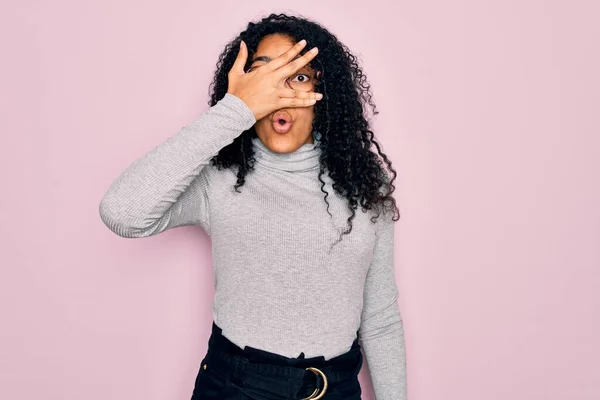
(316, 395)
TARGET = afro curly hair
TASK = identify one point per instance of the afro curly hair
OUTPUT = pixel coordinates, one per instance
(342, 117)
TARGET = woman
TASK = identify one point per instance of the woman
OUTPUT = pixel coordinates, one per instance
(274, 172)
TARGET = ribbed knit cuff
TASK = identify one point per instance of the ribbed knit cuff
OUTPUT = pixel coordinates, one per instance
(238, 106)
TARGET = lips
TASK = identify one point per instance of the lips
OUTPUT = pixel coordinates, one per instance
(282, 121)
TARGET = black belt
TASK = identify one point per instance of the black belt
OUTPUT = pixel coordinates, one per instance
(260, 371)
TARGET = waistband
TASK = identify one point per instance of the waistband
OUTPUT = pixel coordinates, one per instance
(261, 370)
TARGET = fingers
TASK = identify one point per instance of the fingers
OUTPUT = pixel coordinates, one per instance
(291, 93)
(297, 64)
(286, 102)
(240, 61)
(286, 57)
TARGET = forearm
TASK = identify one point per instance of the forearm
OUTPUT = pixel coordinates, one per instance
(138, 203)
(383, 343)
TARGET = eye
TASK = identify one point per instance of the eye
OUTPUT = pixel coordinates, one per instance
(252, 68)
(306, 78)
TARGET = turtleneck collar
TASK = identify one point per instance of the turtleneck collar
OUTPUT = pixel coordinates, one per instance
(305, 158)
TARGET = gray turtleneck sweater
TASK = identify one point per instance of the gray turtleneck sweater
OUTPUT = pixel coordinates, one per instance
(278, 287)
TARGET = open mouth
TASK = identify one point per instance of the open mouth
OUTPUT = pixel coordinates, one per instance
(282, 122)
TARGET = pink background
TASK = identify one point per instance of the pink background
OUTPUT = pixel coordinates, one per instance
(489, 111)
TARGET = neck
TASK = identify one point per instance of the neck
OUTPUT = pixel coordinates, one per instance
(305, 158)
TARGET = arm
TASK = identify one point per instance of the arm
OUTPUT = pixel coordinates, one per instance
(167, 187)
(381, 330)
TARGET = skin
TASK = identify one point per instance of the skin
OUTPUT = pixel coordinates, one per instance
(273, 46)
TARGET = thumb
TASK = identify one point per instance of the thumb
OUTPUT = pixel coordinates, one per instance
(240, 61)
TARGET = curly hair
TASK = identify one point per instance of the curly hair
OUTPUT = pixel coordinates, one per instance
(358, 174)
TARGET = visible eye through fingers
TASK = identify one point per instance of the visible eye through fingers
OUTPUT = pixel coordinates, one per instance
(262, 71)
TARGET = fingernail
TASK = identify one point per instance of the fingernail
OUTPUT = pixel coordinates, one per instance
(319, 95)
(314, 50)
(303, 42)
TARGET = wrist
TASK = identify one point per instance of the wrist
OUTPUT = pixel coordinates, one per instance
(241, 106)
(246, 103)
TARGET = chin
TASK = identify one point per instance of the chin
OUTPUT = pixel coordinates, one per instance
(282, 142)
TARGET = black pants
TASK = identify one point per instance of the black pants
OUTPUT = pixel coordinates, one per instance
(228, 372)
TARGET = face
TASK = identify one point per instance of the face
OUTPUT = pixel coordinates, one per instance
(275, 135)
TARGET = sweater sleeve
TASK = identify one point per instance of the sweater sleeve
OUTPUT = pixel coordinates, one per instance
(167, 187)
(381, 330)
